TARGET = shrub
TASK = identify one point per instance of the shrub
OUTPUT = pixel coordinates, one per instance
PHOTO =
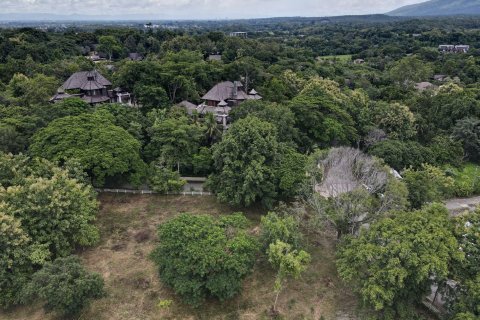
(162, 179)
(277, 228)
(427, 185)
(65, 286)
(199, 256)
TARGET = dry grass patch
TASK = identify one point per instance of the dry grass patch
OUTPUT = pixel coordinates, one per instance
(128, 226)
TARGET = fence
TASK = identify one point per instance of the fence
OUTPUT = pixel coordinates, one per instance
(130, 191)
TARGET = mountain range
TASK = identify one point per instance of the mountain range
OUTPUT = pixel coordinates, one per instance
(439, 8)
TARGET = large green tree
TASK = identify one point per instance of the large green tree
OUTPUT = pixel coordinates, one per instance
(321, 114)
(220, 250)
(103, 149)
(394, 263)
(45, 212)
(244, 163)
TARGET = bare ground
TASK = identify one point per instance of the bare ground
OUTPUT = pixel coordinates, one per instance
(128, 226)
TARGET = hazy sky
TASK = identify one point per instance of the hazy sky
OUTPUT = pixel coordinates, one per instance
(201, 9)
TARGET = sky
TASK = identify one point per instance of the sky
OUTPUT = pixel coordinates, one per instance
(204, 9)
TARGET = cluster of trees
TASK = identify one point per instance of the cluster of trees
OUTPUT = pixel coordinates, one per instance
(46, 212)
(223, 251)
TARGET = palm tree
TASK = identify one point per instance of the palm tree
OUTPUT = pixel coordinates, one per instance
(212, 130)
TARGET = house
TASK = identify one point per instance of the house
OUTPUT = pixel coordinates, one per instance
(96, 57)
(215, 57)
(220, 100)
(446, 47)
(239, 34)
(422, 86)
(461, 48)
(440, 77)
(358, 61)
(190, 107)
(135, 56)
(229, 93)
(91, 87)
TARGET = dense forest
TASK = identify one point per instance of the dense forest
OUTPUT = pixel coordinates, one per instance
(362, 122)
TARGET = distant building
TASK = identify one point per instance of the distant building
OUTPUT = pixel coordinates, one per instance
(215, 57)
(461, 48)
(221, 99)
(440, 77)
(91, 87)
(358, 61)
(135, 56)
(422, 86)
(239, 34)
(231, 93)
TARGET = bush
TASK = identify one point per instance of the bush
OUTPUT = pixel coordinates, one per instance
(284, 229)
(65, 286)
(427, 185)
(199, 256)
(402, 154)
(466, 180)
(162, 179)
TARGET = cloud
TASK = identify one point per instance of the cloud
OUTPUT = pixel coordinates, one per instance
(204, 9)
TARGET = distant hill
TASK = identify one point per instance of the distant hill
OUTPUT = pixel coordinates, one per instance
(439, 8)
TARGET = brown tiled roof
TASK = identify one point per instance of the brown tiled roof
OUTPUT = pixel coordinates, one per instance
(221, 91)
(79, 80)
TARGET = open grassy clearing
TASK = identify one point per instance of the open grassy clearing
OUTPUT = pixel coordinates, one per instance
(128, 225)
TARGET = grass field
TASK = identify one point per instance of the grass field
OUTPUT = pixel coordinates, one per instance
(128, 227)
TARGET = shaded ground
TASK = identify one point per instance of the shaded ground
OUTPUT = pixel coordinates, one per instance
(128, 226)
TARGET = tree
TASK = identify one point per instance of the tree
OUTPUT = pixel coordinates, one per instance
(45, 212)
(103, 149)
(288, 263)
(212, 128)
(291, 172)
(409, 70)
(396, 120)
(109, 45)
(321, 114)
(244, 163)
(425, 185)
(220, 249)
(17, 125)
(281, 116)
(25, 91)
(15, 262)
(67, 220)
(402, 154)
(163, 179)
(465, 298)
(283, 228)
(64, 108)
(65, 286)
(173, 139)
(150, 96)
(467, 132)
(394, 262)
